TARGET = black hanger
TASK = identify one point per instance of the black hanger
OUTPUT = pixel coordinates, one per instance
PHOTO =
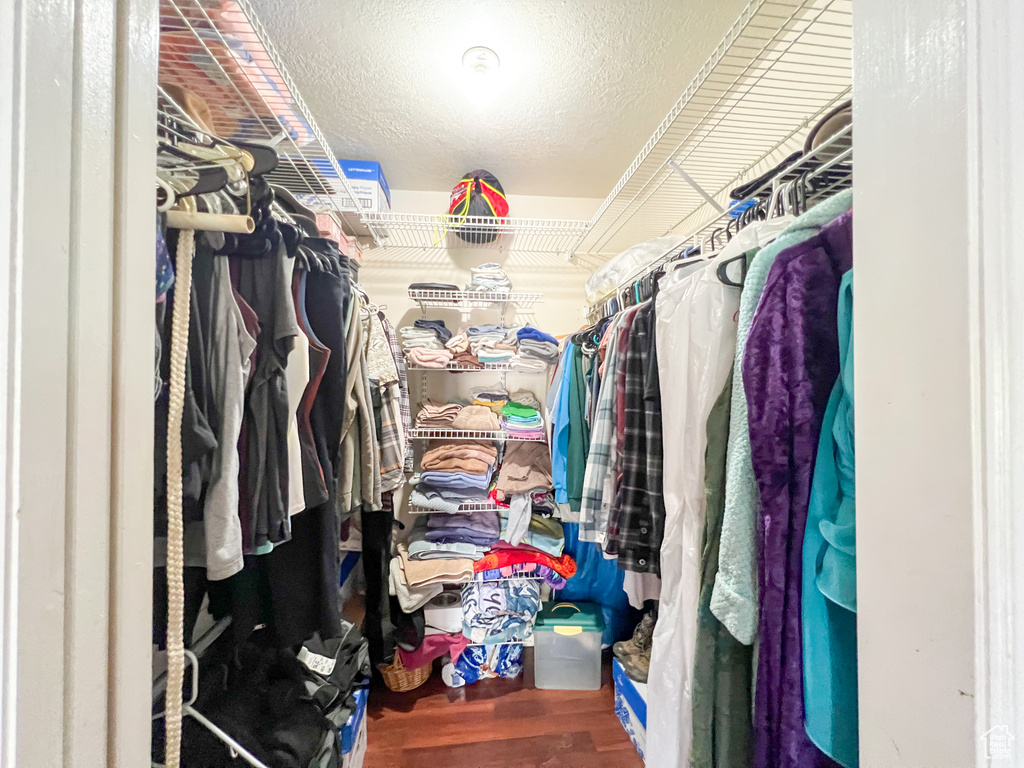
(723, 271)
(264, 158)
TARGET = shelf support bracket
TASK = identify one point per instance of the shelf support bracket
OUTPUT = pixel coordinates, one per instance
(697, 187)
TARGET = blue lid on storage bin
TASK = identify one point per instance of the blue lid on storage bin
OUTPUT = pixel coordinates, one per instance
(570, 618)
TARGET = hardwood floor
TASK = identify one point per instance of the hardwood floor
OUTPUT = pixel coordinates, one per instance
(497, 724)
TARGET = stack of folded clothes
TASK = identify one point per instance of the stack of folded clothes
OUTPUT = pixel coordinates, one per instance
(437, 327)
(482, 528)
(454, 472)
(522, 421)
(413, 337)
(537, 350)
(525, 469)
(476, 418)
(542, 533)
(422, 548)
(423, 357)
(489, 343)
(476, 456)
(493, 397)
(489, 277)
(458, 345)
(437, 415)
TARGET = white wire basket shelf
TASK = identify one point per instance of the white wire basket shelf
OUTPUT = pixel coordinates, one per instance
(496, 435)
(464, 507)
(472, 299)
(424, 231)
(218, 51)
(487, 367)
(782, 65)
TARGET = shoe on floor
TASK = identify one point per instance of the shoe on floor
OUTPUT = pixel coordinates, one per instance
(637, 666)
(642, 638)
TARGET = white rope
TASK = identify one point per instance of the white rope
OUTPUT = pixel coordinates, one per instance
(175, 525)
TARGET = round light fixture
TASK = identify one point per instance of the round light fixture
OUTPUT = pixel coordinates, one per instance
(480, 60)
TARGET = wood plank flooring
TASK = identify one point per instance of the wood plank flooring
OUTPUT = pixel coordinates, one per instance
(497, 724)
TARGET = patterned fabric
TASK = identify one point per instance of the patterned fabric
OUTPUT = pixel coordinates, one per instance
(380, 362)
(403, 385)
(500, 611)
(478, 663)
(596, 503)
(554, 580)
(637, 520)
(392, 451)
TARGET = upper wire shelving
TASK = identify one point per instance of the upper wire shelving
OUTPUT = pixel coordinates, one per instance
(465, 507)
(782, 65)
(471, 299)
(496, 435)
(218, 50)
(421, 231)
(482, 368)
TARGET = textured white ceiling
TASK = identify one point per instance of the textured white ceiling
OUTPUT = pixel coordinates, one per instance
(582, 83)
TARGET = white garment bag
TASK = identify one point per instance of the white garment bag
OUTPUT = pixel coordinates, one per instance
(695, 333)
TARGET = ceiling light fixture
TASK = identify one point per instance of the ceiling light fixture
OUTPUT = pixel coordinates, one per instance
(480, 60)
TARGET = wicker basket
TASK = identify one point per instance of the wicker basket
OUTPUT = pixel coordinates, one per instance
(400, 679)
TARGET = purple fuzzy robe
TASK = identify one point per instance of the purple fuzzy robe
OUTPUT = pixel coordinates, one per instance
(789, 367)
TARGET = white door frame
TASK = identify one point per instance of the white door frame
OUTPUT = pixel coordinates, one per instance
(76, 344)
(939, 334)
(939, 330)
(995, 112)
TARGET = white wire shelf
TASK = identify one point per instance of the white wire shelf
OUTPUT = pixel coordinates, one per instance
(441, 231)
(497, 435)
(472, 299)
(464, 507)
(782, 65)
(219, 51)
(815, 175)
(487, 367)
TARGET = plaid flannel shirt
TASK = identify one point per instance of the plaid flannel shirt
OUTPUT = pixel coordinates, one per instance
(403, 386)
(637, 520)
(595, 507)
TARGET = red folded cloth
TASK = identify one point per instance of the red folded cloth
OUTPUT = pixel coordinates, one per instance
(499, 557)
(432, 647)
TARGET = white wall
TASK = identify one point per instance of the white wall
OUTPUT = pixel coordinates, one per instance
(915, 543)
(386, 274)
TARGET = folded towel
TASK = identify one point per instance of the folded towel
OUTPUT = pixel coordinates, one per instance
(467, 450)
(469, 466)
(449, 571)
(458, 342)
(476, 417)
(421, 357)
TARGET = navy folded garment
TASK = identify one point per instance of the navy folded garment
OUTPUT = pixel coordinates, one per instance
(526, 332)
(437, 326)
(433, 287)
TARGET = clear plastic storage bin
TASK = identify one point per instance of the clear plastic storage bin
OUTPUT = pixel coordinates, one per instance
(567, 647)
